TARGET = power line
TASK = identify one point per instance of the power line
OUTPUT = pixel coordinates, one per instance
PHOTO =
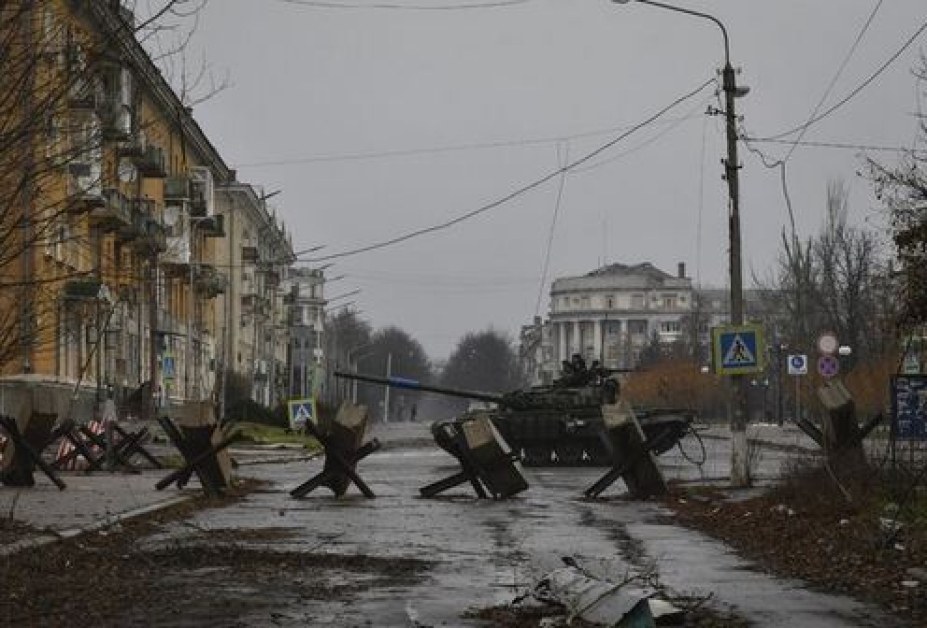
(430, 150)
(518, 192)
(835, 145)
(321, 4)
(781, 163)
(652, 140)
(833, 81)
(553, 225)
(840, 103)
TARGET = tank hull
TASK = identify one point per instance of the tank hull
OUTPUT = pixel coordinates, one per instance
(556, 438)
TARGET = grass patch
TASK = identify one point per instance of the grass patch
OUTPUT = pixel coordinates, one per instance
(260, 434)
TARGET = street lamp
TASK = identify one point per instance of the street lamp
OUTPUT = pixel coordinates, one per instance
(731, 168)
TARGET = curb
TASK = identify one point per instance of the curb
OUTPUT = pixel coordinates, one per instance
(277, 459)
(41, 541)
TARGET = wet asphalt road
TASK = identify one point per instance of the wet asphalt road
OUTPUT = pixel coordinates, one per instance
(488, 552)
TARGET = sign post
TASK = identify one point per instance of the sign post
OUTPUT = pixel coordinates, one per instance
(798, 366)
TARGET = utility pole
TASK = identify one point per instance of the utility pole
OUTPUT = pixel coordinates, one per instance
(738, 420)
(389, 369)
(740, 472)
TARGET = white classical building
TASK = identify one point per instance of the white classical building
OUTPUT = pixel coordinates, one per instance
(612, 313)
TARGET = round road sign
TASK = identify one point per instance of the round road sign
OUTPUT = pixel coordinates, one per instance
(828, 366)
(827, 343)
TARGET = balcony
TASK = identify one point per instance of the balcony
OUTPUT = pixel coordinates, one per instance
(149, 160)
(198, 206)
(210, 282)
(84, 188)
(84, 93)
(178, 189)
(114, 214)
(86, 290)
(249, 255)
(176, 259)
(153, 235)
(149, 233)
(213, 227)
(115, 121)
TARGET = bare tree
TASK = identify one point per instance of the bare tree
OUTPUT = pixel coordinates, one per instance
(65, 102)
(833, 281)
(902, 188)
(167, 30)
(851, 276)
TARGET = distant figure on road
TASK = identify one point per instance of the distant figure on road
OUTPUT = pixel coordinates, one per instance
(413, 412)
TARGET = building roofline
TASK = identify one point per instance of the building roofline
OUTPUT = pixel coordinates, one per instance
(116, 27)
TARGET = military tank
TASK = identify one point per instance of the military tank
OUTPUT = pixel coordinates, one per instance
(556, 424)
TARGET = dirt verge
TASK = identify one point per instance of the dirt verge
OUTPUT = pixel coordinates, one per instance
(869, 547)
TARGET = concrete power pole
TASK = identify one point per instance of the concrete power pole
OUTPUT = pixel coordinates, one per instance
(738, 420)
(740, 472)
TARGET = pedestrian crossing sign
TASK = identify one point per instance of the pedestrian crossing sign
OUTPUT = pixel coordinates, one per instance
(300, 412)
(738, 349)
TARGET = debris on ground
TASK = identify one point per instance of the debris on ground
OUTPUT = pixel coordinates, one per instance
(571, 596)
(805, 530)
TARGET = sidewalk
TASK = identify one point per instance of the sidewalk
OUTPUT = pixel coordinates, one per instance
(100, 499)
(89, 502)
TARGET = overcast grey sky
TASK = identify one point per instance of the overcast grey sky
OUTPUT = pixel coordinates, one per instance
(332, 106)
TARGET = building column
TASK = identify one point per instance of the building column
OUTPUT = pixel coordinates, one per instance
(562, 341)
(598, 329)
(624, 345)
(577, 344)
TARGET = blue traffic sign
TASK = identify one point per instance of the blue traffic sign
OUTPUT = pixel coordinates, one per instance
(301, 411)
(798, 364)
(168, 367)
(738, 349)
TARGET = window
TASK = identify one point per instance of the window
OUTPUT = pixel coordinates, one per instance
(637, 301)
(669, 301)
(670, 327)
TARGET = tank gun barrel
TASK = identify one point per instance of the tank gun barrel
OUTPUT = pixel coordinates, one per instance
(411, 384)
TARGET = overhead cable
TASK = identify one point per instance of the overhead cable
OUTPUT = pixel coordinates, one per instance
(322, 4)
(450, 148)
(519, 191)
(840, 103)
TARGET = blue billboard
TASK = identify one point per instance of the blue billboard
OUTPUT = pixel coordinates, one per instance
(909, 407)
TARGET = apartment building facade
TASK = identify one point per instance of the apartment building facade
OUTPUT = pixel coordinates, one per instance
(256, 253)
(305, 302)
(120, 282)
